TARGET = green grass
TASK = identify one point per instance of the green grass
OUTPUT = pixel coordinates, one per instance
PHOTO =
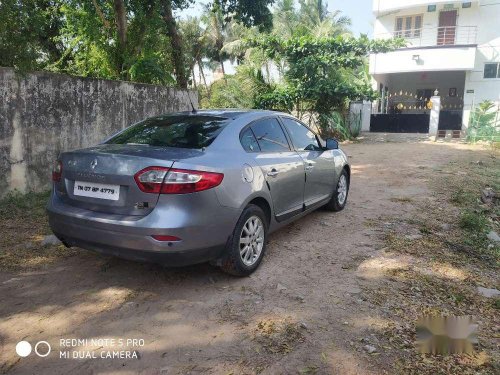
(463, 197)
(30, 205)
(474, 222)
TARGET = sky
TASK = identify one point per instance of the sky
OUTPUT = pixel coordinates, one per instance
(360, 12)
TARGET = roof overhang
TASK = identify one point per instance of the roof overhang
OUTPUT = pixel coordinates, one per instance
(388, 6)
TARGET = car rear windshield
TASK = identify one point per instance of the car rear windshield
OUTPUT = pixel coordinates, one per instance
(188, 131)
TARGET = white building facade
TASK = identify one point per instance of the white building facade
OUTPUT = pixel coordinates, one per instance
(451, 46)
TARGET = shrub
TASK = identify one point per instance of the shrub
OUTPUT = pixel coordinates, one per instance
(484, 123)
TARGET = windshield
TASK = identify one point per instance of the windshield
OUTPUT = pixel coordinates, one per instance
(187, 131)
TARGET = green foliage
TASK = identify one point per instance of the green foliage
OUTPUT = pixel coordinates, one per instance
(484, 122)
(23, 205)
(121, 39)
(322, 74)
(473, 221)
(333, 125)
(26, 33)
(319, 64)
(236, 91)
(94, 49)
(248, 12)
(355, 120)
(311, 18)
(279, 98)
(150, 70)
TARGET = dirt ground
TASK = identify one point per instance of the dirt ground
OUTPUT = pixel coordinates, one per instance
(311, 308)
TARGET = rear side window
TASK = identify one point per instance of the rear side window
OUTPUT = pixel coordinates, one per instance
(270, 136)
(302, 137)
(248, 141)
(187, 131)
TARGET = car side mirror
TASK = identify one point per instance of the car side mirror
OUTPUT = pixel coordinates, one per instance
(332, 144)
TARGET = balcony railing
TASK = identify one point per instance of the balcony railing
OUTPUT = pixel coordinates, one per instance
(435, 36)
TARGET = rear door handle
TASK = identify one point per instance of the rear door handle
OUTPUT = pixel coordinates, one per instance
(309, 166)
(273, 173)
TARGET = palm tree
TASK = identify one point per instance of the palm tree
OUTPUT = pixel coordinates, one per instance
(216, 34)
(285, 18)
(312, 18)
(196, 42)
(320, 22)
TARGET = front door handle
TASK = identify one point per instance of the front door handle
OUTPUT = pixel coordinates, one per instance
(309, 166)
(273, 173)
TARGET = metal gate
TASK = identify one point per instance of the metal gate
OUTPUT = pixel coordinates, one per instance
(400, 123)
(405, 112)
(402, 112)
(450, 115)
(450, 120)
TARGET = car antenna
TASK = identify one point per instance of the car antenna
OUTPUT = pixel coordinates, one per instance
(192, 106)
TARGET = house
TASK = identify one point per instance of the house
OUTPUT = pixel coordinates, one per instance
(452, 50)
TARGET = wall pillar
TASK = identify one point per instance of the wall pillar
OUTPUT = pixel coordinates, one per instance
(434, 117)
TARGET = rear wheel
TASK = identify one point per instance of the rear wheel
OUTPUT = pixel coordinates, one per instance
(339, 197)
(246, 248)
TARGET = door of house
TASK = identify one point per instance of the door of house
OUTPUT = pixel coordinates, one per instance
(447, 27)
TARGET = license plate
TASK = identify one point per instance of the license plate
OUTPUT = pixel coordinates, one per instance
(97, 190)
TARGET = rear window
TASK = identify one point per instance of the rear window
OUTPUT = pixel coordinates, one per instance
(173, 131)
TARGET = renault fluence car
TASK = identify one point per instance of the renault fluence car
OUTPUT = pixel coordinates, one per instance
(193, 187)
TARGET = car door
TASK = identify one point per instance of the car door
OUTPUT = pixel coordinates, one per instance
(283, 168)
(319, 164)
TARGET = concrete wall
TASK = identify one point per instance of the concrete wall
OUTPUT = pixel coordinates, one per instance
(42, 114)
(478, 88)
(431, 59)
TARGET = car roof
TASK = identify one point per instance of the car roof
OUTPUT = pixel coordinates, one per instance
(230, 113)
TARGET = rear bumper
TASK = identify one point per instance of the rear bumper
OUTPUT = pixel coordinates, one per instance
(203, 231)
(166, 257)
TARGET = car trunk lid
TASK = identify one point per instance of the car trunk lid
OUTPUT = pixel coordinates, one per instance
(101, 178)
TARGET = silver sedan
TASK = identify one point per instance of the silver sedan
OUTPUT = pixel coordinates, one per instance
(193, 187)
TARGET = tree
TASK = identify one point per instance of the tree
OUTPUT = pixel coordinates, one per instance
(322, 73)
(312, 18)
(177, 46)
(196, 42)
(216, 35)
(28, 36)
(248, 12)
(115, 39)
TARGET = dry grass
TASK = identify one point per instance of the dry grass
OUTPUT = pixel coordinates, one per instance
(401, 199)
(23, 225)
(451, 257)
(278, 336)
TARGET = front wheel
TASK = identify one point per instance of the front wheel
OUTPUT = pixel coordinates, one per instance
(339, 197)
(247, 245)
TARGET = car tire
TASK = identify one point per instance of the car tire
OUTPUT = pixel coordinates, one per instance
(339, 197)
(245, 249)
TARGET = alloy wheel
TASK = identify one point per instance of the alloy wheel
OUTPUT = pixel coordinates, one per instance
(251, 240)
(342, 190)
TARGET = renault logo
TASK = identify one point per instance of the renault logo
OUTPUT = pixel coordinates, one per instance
(93, 164)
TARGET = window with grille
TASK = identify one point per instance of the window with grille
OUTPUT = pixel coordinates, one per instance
(408, 26)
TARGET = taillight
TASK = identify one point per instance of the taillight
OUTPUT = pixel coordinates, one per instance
(176, 181)
(150, 179)
(57, 171)
(180, 181)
